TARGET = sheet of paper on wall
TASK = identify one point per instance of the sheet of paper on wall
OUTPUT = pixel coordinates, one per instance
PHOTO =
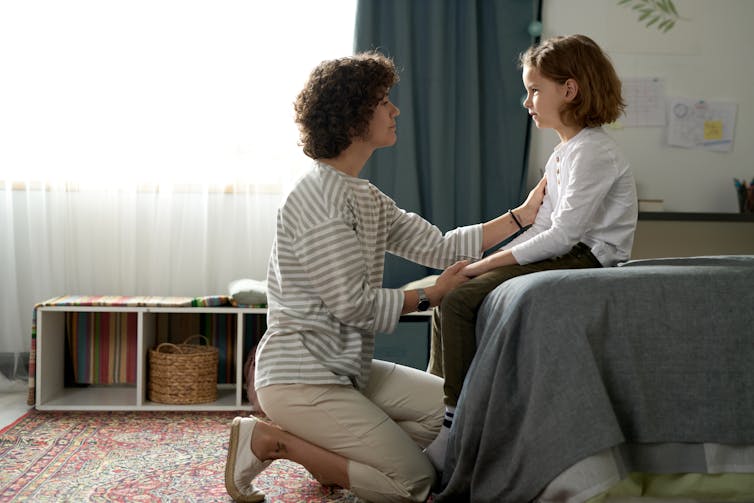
(701, 124)
(645, 102)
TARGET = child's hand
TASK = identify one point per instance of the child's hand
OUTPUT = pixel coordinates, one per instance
(528, 211)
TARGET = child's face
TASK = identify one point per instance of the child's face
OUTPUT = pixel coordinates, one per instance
(544, 98)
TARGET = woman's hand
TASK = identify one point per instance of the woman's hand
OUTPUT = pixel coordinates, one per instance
(527, 212)
(450, 278)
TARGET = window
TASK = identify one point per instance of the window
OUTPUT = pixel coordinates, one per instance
(159, 91)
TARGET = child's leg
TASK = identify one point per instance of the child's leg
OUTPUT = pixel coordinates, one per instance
(458, 312)
(434, 366)
(456, 334)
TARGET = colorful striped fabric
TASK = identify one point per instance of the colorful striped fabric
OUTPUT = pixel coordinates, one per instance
(137, 301)
(102, 346)
(221, 330)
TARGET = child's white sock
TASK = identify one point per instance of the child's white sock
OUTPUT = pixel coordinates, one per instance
(436, 450)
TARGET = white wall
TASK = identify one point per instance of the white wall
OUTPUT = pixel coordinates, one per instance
(708, 56)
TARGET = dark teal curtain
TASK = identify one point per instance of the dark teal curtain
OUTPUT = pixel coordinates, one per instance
(462, 134)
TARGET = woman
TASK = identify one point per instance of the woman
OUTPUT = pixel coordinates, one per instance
(352, 421)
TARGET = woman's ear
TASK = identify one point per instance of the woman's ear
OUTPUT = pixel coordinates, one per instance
(572, 89)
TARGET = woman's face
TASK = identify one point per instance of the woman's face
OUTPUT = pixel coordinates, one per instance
(382, 127)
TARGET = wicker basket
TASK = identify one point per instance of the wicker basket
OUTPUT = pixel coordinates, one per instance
(183, 373)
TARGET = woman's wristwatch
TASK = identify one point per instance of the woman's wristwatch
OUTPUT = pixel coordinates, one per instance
(424, 303)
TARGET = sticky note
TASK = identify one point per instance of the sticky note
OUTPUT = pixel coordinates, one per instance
(713, 130)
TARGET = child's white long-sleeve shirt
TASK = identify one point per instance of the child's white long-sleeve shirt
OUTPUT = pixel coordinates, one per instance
(591, 198)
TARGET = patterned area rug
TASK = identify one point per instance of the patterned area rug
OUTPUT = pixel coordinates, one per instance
(133, 457)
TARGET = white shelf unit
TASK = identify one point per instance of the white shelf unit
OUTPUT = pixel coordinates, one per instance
(52, 394)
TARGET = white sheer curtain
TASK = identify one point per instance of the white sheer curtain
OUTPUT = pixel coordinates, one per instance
(144, 145)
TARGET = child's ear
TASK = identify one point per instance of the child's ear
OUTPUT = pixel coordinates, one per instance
(572, 89)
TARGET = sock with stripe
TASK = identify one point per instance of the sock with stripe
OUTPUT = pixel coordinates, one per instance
(436, 450)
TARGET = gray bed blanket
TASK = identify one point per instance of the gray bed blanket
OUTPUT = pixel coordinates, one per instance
(573, 362)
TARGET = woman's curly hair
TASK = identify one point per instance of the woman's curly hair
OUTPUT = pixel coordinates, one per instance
(338, 101)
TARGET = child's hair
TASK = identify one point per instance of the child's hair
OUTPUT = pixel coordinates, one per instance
(578, 57)
(339, 99)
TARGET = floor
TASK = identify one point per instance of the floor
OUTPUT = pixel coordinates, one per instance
(12, 405)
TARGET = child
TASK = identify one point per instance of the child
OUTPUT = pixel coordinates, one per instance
(589, 213)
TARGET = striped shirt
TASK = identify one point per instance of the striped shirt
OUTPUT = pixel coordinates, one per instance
(325, 294)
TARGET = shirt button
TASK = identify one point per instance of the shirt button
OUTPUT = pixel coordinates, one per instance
(557, 158)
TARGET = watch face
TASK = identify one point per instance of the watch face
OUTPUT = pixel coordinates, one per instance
(423, 304)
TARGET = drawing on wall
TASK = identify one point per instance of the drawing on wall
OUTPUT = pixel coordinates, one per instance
(661, 14)
(629, 35)
(701, 124)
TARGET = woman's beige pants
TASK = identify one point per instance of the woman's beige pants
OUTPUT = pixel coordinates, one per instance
(381, 430)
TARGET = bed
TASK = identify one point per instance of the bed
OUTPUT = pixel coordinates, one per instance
(595, 385)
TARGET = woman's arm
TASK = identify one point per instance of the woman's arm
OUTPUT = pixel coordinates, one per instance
(505, 225)
(448, 280)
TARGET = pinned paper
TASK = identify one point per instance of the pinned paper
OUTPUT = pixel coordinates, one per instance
(645, 102)
(701, 124)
